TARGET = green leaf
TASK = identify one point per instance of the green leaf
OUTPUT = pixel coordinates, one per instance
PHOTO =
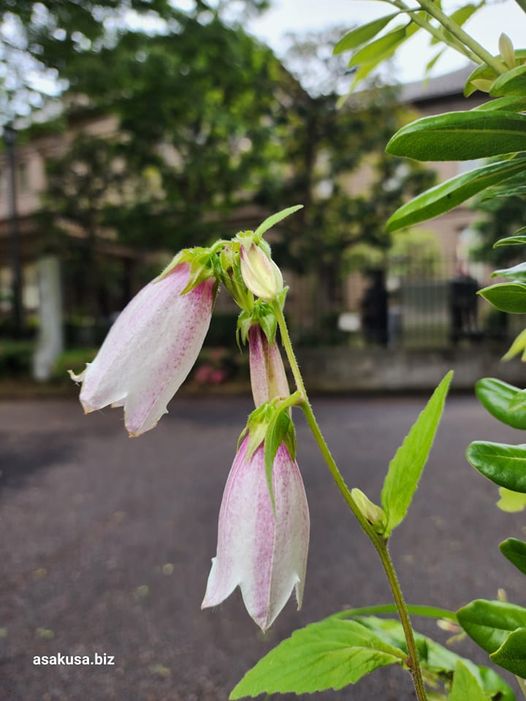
(466, 686)
(501, 463)
(460, 136)
(514, 550)
(496, 397)
(518, 346)
(414, 610)
(330, 654)
(516, 272)
(482, 72)
(438, 661)
(506, 296)
(511, 103)
(517, 239)
(447, 195)
(380, 48)
(513, 82)
(357, 37)
(489, 623)
(274, 219)
(406, 468)
(511, 502)
(512, 653)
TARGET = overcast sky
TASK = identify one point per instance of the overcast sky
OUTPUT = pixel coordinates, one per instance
(298, 16)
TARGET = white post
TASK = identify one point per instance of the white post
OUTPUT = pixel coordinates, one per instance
(50, 337)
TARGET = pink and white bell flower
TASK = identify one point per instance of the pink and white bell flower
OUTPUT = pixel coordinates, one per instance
(150, 349)
(260, 549)
(267, 373)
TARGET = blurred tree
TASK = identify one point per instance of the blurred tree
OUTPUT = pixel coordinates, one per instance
(201, 112)
(40, 38)
(341, 172)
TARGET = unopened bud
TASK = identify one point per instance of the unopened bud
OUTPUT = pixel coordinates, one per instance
(260, 274)
(372, 512)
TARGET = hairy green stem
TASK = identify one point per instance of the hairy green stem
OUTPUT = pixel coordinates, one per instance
(466, 39)
(376, 539)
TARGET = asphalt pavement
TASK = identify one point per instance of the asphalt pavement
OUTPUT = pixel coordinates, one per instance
(106, 543)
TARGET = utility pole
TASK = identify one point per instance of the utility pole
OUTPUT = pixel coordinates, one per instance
(14, 230)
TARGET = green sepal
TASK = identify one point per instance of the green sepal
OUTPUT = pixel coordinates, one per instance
(270, 425)
(261, 314)
(280, 430)
(230, 276)
(201, 262)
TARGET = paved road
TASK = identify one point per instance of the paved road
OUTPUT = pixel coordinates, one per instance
(106, 543)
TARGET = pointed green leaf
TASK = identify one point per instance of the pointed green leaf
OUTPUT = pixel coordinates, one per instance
(447, 195)
(465, 686)
(406, 468)
(330, 654)
(514, 550)
(489, 623)
(274, 219)
(511, 502)
(437, 660)
(517, 239)
(414, 610)
(508, 297)
(460, 136)
(497, 397)
(501, 463)
(518, 346)
(512, 653)
(511, 103)
(513, 82)
(379, 48)
(357, 37)
(516, 272)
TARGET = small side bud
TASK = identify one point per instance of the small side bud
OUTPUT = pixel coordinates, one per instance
(372, 512)
(506, 50)
(260, 274)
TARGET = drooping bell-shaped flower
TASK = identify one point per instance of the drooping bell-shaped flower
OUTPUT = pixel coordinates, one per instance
(267, 373)
(149, 350)
(260, 549)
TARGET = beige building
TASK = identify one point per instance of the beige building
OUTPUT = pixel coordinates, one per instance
(41, 276)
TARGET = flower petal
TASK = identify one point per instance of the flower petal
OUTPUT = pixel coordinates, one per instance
(149, 350)
(262, 551)
(267, 373)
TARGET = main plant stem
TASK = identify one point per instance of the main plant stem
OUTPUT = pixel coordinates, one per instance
(466, 39)
(376, 539)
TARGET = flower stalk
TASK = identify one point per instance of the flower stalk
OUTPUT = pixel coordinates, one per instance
(377, 540)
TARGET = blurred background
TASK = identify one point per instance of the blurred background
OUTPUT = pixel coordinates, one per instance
(131, 129)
